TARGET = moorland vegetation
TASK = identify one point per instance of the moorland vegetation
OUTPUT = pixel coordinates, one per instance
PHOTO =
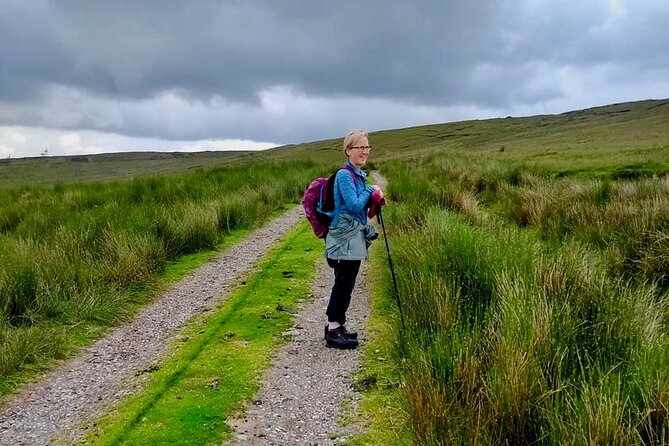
(79, 256)
(532, 258)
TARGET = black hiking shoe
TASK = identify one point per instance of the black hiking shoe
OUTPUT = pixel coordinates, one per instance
(348, 334)
(337, 339)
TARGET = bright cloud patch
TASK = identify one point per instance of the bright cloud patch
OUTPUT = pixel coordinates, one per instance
(35, 141)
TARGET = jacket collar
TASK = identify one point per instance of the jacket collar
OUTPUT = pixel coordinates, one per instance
(359, 172)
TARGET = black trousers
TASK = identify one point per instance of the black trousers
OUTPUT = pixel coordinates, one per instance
(345, 272)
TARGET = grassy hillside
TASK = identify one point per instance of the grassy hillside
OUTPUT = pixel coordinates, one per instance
(613, 138)
(103, 167)
(535, 281)
(531, 256)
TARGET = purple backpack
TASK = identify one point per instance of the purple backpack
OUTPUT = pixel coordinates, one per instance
(318, 202)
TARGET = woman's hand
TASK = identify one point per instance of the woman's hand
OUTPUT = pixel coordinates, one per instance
(378, 193)
(376, 201)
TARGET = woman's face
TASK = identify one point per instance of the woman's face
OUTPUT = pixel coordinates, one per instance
(359, 152)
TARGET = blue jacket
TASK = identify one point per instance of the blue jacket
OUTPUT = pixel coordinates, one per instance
(351, 197)
(349, 234)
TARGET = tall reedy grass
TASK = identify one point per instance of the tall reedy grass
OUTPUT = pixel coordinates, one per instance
(627, 218)
(523, 331)
(83, 253)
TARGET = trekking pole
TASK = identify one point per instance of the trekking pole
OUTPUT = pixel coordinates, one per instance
(379, 217)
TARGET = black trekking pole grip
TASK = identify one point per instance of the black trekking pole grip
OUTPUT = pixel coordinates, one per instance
(379, 217)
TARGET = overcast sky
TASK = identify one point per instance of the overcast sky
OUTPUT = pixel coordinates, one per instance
(86, 76)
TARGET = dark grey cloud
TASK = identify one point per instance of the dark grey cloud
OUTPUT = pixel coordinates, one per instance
(136, 49)
(622, 32)
(292, 70)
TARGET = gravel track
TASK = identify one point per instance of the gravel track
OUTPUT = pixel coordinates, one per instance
(80, 389)
(299, 403)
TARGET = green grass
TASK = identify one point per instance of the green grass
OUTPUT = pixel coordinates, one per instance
(532, 254)
(107, 167)
(177, 270)
(531, 318)
(77, 258)
(217, 364)
(58, 341)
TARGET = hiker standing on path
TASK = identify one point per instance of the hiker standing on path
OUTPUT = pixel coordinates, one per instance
(349, 235)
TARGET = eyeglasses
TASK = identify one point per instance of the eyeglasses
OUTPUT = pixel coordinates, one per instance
(367, 148)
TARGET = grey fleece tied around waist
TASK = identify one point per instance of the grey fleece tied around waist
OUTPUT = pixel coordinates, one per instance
(349, 240)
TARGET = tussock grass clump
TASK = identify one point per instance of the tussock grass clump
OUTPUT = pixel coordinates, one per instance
(131, 258)
(19, 285)
(11, 217)
(29, 348)
(187, 229)
(653, 261)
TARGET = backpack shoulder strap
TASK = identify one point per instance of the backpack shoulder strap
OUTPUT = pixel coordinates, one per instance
(332, 182)
(350, 169)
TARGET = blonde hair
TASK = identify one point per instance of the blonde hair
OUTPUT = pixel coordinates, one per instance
(353, 137)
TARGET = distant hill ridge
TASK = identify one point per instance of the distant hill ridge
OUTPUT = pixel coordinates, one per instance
(621, 126)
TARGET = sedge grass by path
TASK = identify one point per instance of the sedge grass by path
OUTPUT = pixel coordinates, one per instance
(217, 364)
(513, 340)
(535, 306)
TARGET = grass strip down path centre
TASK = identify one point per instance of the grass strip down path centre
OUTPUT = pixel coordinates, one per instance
(219, 358)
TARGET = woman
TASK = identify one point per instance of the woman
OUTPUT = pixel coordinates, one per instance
(349, 235)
